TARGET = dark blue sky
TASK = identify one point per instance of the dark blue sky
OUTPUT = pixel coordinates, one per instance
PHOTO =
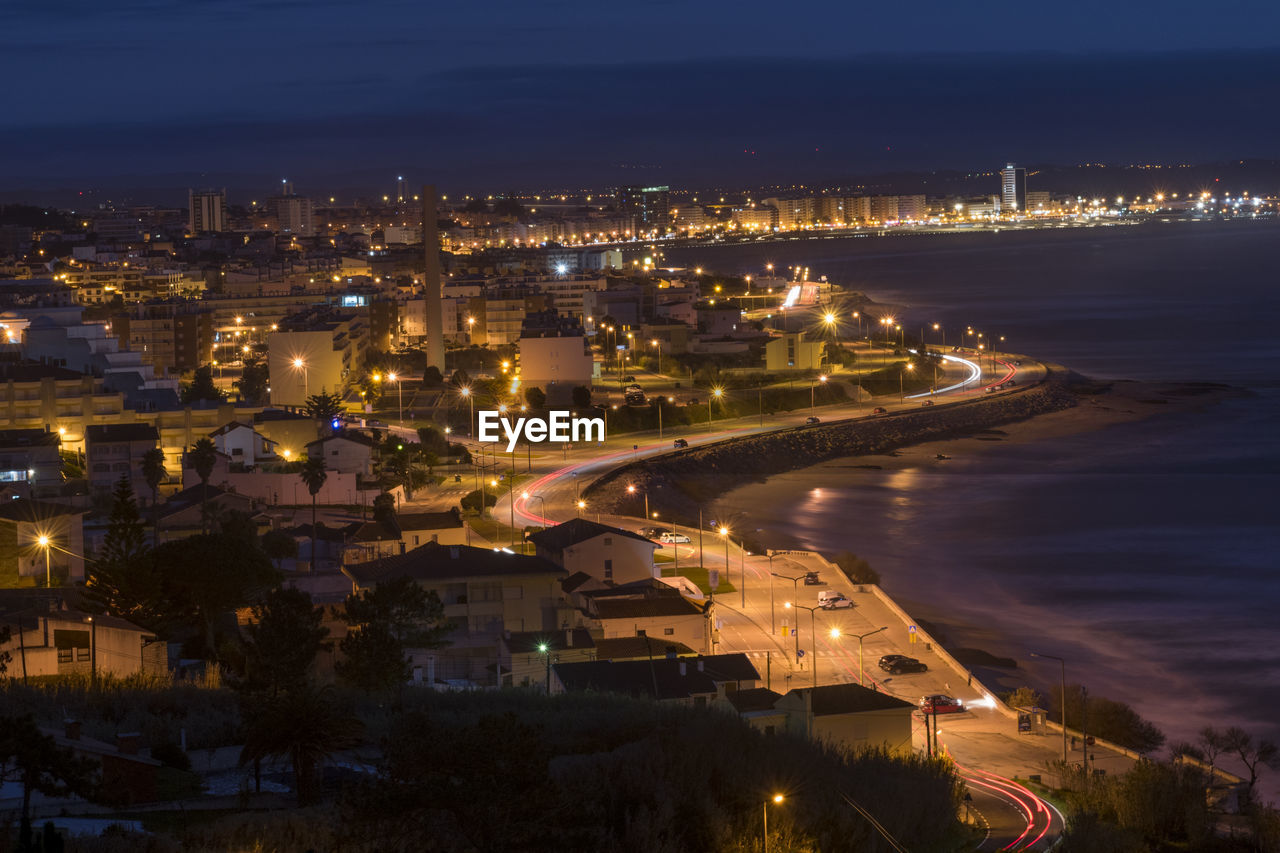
(563, 93)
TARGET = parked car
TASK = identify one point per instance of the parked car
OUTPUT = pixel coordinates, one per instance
(905, 665)
(812, 421)
(674, 539)
(879, 410)
(653, 532)
(940, 703)
(680, 443)
(927, 403)
(812, 579)
(888, 660)
(628, 379)
(830, 599)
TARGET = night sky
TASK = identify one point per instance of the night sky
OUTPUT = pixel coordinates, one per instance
(564, 94)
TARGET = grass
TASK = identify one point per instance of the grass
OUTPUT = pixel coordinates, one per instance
(701, 578)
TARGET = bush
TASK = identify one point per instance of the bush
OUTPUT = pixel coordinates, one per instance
(858, 569)
(471, 501)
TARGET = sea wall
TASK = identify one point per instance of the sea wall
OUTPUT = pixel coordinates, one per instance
(678, 483)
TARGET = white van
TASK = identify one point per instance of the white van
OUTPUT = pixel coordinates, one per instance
(829, 599)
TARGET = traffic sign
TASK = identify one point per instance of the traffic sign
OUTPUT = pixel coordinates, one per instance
(799, 653)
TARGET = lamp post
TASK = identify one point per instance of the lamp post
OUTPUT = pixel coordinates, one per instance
(581, 506)
(631, 490)
(724, 534)
(937, 327)
(813, 634)
(400, 389)
(466, 392)
(660, 400)
(545, 649)
(812, 385)
(1062, 663)
(528, 497)
(299, 364)
(795, 593)
(716, 393)
(777, 798)
(835, 633)
(44, 543)
(657, 343)
(902, 394)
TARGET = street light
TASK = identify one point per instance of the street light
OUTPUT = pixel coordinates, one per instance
(466, 392)
(717, 393)
(391, 377)
(1063, 664)
(901, 393)
(812, 385)
(835, 635)
(795, 593)
(545, 649)
(299, 364)
(777, 798)
(528, 497)
(813, 634)
(581, 506)
(44, 543)
(631, 490)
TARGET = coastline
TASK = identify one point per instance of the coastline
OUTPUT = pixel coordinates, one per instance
(967, 613)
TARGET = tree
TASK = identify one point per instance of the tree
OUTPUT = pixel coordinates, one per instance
(313, 475)
(306, 726)
(323, 408)
(253, 382)
(431, 377)
(202, 387)
(209, 575)
(282, 642)
(407, 465)
(535, 397)
(384, 507)
(278, 545)
(1253, 754)
(202, 457)
(118, 581)
(35, 760)
(384, 621)
(581, 397)
(153, 472)
(460, 378)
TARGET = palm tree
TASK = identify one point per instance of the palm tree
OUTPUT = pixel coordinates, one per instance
(305, 726)
(314, 475)
(202, 456)
(153, 472)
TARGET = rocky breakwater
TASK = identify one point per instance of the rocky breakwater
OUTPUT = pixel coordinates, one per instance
(678, 483)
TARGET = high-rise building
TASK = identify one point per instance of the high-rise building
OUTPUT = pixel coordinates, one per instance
(1013, 188)
(884, 208)
(649, 205)
(207, 211)
(293, 214)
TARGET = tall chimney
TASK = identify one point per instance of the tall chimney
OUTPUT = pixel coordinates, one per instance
(432, 284)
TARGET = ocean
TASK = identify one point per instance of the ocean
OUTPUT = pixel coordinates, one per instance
(1144, 553)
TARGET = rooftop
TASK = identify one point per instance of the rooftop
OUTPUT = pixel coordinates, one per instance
(121, 432)
(575, 530)
(848, 699)
(433, 562)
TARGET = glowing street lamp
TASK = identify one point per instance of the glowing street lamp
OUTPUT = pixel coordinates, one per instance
(812, 385)
(716, 393)
(44, 543)
(465, 391)
(835, 635)
(391, 377)
(813, 634)
(901, 393)
(299, 364)
(581, 506)
(776, 799)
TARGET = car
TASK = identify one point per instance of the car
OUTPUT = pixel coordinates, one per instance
(812, 579)
(680, 443)
(905, 665)
(812, 421)
(927, 403)
(940, 703)
(628, 379)
(879, 410)
(889, 660)
(1011, 382)
(674, 539)
(653, 532)
(634, 388)
(830, 599)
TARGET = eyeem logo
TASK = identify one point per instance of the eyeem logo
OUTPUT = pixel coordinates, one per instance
(558, 427)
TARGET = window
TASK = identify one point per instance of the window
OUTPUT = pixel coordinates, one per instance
(608, 570)
(667, 632)
(64, 655)
(640, 632)
(82, 654)
(608, 540)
